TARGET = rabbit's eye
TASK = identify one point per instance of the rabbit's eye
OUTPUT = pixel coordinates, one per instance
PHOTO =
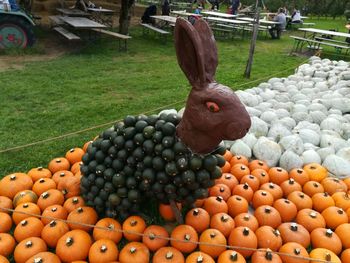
(212, 106)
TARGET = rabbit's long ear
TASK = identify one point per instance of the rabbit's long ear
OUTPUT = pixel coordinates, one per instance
(190, 52)
(209, 47)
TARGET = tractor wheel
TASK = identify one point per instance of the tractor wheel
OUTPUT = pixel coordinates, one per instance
(15, 32)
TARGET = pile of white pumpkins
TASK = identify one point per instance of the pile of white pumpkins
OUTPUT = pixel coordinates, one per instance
(300, 119)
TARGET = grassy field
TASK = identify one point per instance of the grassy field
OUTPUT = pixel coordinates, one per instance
(99, 85)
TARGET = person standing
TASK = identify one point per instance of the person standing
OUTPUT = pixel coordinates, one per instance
(235, 6)
(275, 31)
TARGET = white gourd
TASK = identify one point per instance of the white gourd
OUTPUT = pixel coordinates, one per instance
(258, 127)
(310, 156)
(338, 166)
(331, 124)
(169, 111)
(278, 131)
(288, 122)
(324, 152)
(317, 116)
(344, 153)
(249, 139)
(253, 112)
(268, 116)
(281, 113)
(240, 148)
(293, 143)
(290, 160)
(309, 136)
(267, 150)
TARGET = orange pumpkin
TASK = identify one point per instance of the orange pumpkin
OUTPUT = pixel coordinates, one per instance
(184, 233)
(28, 209)
(39, 172)
(7, 244)
(310, 219)
(278, 175)
(134, 224)
(50, 197)
(6, 222)
(220, 190)
(198, 218)
(53, 231)
(60, 175)
(324, 254)
(229, 256)
(103, 250)
(273, 189)
(239, 170)
(299, 175)
(73, 245)
(347, 182)
(295, 250)
(11, 184)
(246, 220)
(300, 199)
(215, 204)
(312, 187)
(168, 255)
(24, 197)
(28, 248)
(268, 238)
(332, 185)
(53, 212)
(341, 200)
(85, 214)
(244, 190)
(268, 216)
(86, 145)
(114, 230)
(237, 205)
(316, 172)
(321, 201)
(155, 237)
(239, 159)
(227, 179)
(3, 259)
(69, 186)
(343, 232)
(212, 242)
(134, 252)
(289, 186)
(243, 237)
(43, 185)
(258, 164)
(222, 222)
(5, 203)
(58, 164)
(345, 255)
(198, 256)
(29, 227)
(166, 211)
(76, 167)
(226, 168)
(74, 155)
(287, 209)
(252, 181)
(262, 197)
(227, 155)
(334, 216)
(326, 238)
(293, 232)
(73, 203)
(44, 257)
(265, 257)
(262, 175)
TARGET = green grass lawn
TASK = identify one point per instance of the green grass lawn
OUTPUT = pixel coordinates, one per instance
(99, 85)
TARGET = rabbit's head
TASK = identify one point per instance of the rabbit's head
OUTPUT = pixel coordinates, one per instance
(213, 111)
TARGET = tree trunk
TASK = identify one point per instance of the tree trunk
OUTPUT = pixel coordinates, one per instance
(124, 19)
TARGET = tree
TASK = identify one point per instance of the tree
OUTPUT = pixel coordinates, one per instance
(124, 18)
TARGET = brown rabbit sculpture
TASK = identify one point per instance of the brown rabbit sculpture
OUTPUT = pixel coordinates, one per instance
(165, 157)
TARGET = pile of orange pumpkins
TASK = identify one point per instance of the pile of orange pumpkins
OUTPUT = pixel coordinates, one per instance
(254, 213)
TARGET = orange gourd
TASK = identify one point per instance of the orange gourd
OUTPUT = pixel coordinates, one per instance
(28, 248)
(326, 238)
(198, 218)
(258, 164)
(53, 231)
(168, 255)
(347, 182)
(29, 227)
(265, 257)
(332, 185)
(262, 175)
(39, 172)
(24, 197)
(166, 211)
(290, 186)
(43, 185)
(184, 233)
(231, 256)
(300, 199)
(262, 197)
(5, 203)
(215, 204)
(312, 187)
(343, 232)
(44, 257)
(278, 175)
(220, 190)
(244, 190)
(321, 201)
(73, 203)
(345, 255)
(246, 220)
(334, 216)
(227, 179)
(103, 250)
(85, 215)
(53, 212)
(227, 155)
(6, 222)
(30, 208)
(324, 254)
(237, 205)
(293, 232)
(60, 175)
(134, 224)
(213, 242)
(299, 175)
(222, 222)
(316, 172)
(113, 233)
(155, 237)
(295, 250)
(7, 244)
(273, 189)
(134, 252)
(58, 164)
(86, 145)
(3, 259)
(287, 209)
(342, 200)
(243, 237)
(199, 257)
(11, 184)
(73, 245)
(50, 197)
(252, 181)
(310, 219)
(268, 237)
(226, 168)
(239, 159)
(69, 186)
(268, 216)
(74, 155)
(239, 170)
(75, 168)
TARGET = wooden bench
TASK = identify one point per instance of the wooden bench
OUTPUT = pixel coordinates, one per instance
(66, 33)
(315, 44)
(332, 40)
(120, 37)
(161, 32)
(56, 21)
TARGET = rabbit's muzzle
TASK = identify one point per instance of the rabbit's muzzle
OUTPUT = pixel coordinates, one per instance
(237, 129)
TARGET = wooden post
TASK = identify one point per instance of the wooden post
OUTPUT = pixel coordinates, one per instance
(253, 41)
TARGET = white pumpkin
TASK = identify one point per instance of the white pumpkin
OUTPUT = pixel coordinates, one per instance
(331, 124)
(324, 152)
(309, 136)
(240, 148)
(278, 131)
(290, 160)
(338, 166)
(249, 139)
(269, 116)
(258, 127)
(344, 153)
(310, 156)
(267, 150)
(317, 116)
(292, 143)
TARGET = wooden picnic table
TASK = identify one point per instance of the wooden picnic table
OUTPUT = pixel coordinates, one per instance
(182, 13)
(102, 15)
(261, 21)
(72, 12)
(168, 19)
(219, 14)
(81, 22)
(227, 21)
(316, 31)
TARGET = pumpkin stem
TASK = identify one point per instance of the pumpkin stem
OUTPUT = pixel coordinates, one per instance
(263, 193)
(29, 243)
(13, 177)
(54, 209)
(103, 248)
(313, 215)
(212, 235)
(71, 150)
(111, 227)
(80, 210)
(69, 241)
(268, 255)
(42, 180)
(279, 169)
(301, 195)
(227, 176)
(133, 222)
(286, 201)
(187, 237)
(328, 256)
(276, 232)
(24, 222)
(40, 168)
(152, 236)
(299, 171)
(45, 195)
(267, 210)
(271, 185)
(224, 218)
(53, 223)
(246, 231)
(242, 168)
(246, 218)
(132, 250)
(75, 200)
(234, 256)
(291, 181)
(222, 190)
(238, 157)
(219, 198)
(293, 227)
(25, 205)
(200, 259)
(38, 260)
(263, 174)
(238, 198)
(297, 251)
(58, 160)
(169, 255)
(196, 212)
(62, 174)
(329, 233)
(64, 191)
(21, 194)
(315, 185)
(245, 186)
(340, 211)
